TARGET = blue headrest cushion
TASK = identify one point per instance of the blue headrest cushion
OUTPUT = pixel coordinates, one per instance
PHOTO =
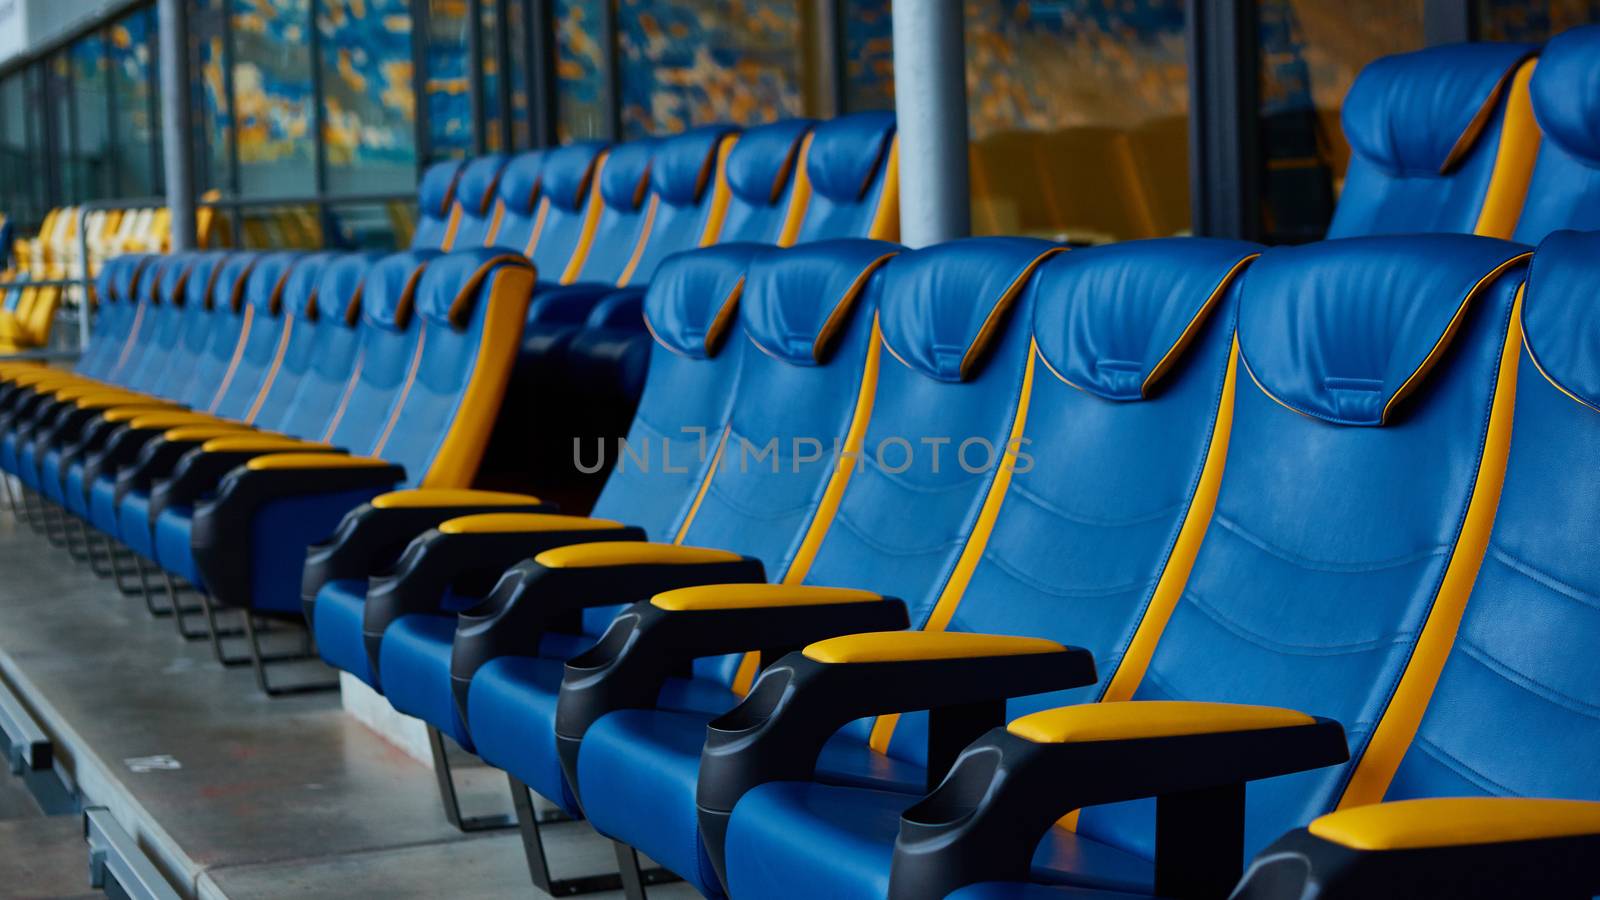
(761, 164)
(1345, 329)
(449, 288)
(339, 288)
(942, 307)
(108, 283)
(227, 289)
(299, 294)
(388, 291)
(1419, 113)
(475, 188)
(174, 278)
(128, 275)
(1560, 318)
(846, 153)
(798, 301)
(1565, 90)
(147, 285)
(264, 289)
(567, 171)
(1113, 320)
(201, 277)
(694, 298)
(520, 181)
(685, 164)
(626, 174)
(438, 188)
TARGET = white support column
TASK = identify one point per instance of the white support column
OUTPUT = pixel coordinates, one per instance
(930, 74)
(177, 131)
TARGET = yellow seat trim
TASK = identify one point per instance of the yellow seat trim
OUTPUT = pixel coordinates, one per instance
(909, 646)
(250, 442)
(426, 498)
(756, 596)
(1135, 719)
(207, 432)
(504, 523)
(1456, 821)
(164, 419)
(281, 461)
(631, 553)
(129, 410)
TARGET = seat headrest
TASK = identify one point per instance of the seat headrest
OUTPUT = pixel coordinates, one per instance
(438, 188)
(626, 174)
(339, 288)
(797, 302)
(107, 283)
(1113, 320)
(227, 290)
(299, 294)
(846, 152)
(1344, 330)
(943, 307)
(1565, 91)
(388, 291)
(202, 278)
(264, 289)
(520, 182)
(127, 275)
(146, 285)
(475, 187)
(1560, 318)
(1420, 113)
(567, 171)
(174, 277)
(685, 164)
(694, 298)
(761, 164)
(449, 288)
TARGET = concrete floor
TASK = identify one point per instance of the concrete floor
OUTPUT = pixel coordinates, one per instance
(263, 797)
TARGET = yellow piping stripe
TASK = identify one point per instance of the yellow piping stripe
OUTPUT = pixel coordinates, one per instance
(238, 354)
(1514, 161)
(997, 313)
(1189, 331)
(1398, 725)
(591, 221)
(705, 484)
(538, 227)
(1539, 367)
(717, 212)
(644, 240)
(944, 609)
(405, 391)
(272, 371)
(494, 223)
(449, 239)
(349, 389)
(133, 339)
(886, 220)
(799, 198)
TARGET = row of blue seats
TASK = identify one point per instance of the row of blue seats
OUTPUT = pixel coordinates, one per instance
(1013, 430)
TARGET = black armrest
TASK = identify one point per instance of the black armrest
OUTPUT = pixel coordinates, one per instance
(1007, 789)
(800, 702)
(653, 640)
(1474, 848)
(156, 461)
(199, 472)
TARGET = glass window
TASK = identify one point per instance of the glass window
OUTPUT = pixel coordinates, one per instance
(272, 90)
(1078, 113)
(868, 48)
(688, 62)
(1311, 51)
(449, 107)
(17, 172)
(1532, 20)
(370, 226)
(213, 149)
(580, 63)
(90, 105)
(132, 64)
(368, 106)
(61, 178)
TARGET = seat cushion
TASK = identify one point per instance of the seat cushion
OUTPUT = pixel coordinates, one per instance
(72, 496)
(172, 544)
(414, 665)
(339, 609)
(50, 474)
(806, 839)
(512, 706)
(132, 518)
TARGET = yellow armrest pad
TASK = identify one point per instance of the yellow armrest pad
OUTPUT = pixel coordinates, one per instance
(756, 596)
(313, 461)
(171, 415)
(422, 499)
(207, 432)
(89, 394)
(908, 646)
(176, 418)
(1456, 821)
(252, 442)
(500, 523)
(630, 553)
(1132, 719)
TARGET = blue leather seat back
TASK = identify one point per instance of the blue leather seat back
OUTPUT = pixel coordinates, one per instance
(1565, 90)
(761, 175)
(229, 325)
(688, 392)
(166, 292)
(518, 193)
(261, 342)
(335, 350)
(623, 177)
(303, 318)
(437, 212)
(480, 207)
(808, 317)
(1424, 131)
(566, 192)
(954, 367)
(113, 316)
(1133, 344)
(1333, 531)
(146, 319)
(852, 171)
(176, 378)
(470, 306)
(1514, 710)
(686, 192)
(386, 351)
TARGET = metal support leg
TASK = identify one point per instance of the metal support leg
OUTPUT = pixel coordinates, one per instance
(628, 869)
(529, 825)
(180, 616)
(259, 661)
(448, 796)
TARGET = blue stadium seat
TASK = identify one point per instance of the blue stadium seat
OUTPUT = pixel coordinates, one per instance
(1565, 91)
